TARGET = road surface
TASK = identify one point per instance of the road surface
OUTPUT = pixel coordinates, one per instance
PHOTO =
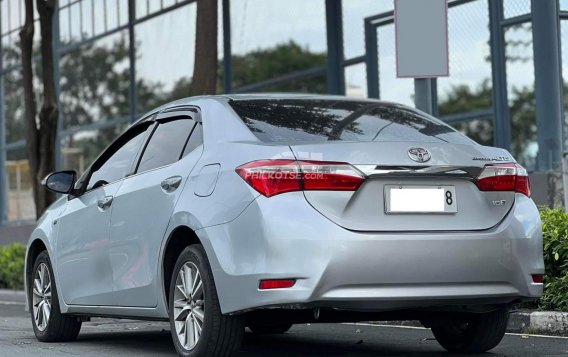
(110, 337)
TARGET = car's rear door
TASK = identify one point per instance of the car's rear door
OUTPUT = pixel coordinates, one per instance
(82, 254)
(144, 204)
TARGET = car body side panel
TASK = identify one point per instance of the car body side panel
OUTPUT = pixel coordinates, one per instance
(82, 249)
(225, 150)
(135, 242)
(227, 144)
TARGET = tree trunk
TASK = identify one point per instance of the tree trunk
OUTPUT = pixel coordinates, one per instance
(40, 134)
(26, 44)
(204, 80)
(49, 112)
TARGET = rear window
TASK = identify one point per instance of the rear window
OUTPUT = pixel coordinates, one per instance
(306, 120)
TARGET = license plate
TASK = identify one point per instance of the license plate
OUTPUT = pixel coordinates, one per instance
(420, 199)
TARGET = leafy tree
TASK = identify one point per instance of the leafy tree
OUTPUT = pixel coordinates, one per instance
(462, 99)
(522, 108)
(263, 64)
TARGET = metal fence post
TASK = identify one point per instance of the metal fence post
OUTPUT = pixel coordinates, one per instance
(227, 59)
(334, 24)
(132, 93)
(372, 60)
(3, 173)
(501, 118)
(548, 84)
(425, 95)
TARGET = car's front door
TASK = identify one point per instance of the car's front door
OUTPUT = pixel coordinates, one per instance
(82, 253)
(143, 208)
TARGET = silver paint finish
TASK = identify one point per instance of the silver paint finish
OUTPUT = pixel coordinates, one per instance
(83, 249)
(339, 245)
(372, 270)
(363, 210)
(207, 180)
(140, 216)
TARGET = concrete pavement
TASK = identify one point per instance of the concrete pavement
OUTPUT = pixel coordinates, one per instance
(111, 337)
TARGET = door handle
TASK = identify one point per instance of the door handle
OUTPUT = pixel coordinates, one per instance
(105, 202)
(171, 183)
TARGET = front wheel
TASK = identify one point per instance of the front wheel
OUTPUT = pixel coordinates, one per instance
(50, 325)
(479, 334)
(197, 324)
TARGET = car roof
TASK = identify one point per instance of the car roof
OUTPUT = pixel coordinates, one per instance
(256, 96)
(271, 96)
(285, 96)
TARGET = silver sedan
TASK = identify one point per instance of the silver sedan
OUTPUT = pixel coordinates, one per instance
(224, 212)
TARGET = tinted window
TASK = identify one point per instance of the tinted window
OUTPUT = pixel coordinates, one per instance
(119, 163)
(166, 144)
(308, 120)
(194, 141)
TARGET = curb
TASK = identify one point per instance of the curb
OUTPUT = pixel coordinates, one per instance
(547, 322)
(536, 322)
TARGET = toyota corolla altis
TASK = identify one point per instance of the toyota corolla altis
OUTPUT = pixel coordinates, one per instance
(224, 212)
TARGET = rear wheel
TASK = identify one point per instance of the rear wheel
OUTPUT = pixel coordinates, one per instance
(197, 324)
(479, 334)
(48, 322)
(262, 329)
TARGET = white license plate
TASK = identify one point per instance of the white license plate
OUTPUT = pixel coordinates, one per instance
(420, 199)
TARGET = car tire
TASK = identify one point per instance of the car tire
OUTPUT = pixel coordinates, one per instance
(479, 334)
(261, 329)
(49, 324)
(197, 309)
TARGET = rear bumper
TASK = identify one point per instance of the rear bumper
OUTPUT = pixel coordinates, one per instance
(284, 237)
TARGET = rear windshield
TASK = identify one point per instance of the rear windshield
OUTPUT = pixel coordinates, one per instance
(308, 120)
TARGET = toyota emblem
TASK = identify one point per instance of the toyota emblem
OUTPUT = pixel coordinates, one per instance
(419, 154)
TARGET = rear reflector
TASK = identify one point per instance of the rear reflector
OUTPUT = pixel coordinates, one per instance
(276, 284)
(504, 177)
(273, 177)
(538, 278)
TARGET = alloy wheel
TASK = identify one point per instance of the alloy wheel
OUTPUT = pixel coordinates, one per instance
(189, 305)
(41, 296)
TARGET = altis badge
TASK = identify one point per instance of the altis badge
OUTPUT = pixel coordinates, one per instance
(495, 158)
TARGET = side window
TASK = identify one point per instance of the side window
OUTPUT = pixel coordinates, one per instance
(166, 144)
(118, 165)
(194, 141)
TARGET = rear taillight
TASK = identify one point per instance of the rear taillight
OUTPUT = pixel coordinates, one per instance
(504, 177)
(272, 177)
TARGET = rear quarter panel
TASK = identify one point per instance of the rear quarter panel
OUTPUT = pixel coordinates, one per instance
(228, 143)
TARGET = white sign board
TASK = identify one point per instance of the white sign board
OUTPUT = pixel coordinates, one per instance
(421, 31)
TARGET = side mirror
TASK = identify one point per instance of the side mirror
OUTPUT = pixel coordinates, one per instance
(60, 182)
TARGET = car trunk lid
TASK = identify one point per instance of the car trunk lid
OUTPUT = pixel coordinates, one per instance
(390, 166)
